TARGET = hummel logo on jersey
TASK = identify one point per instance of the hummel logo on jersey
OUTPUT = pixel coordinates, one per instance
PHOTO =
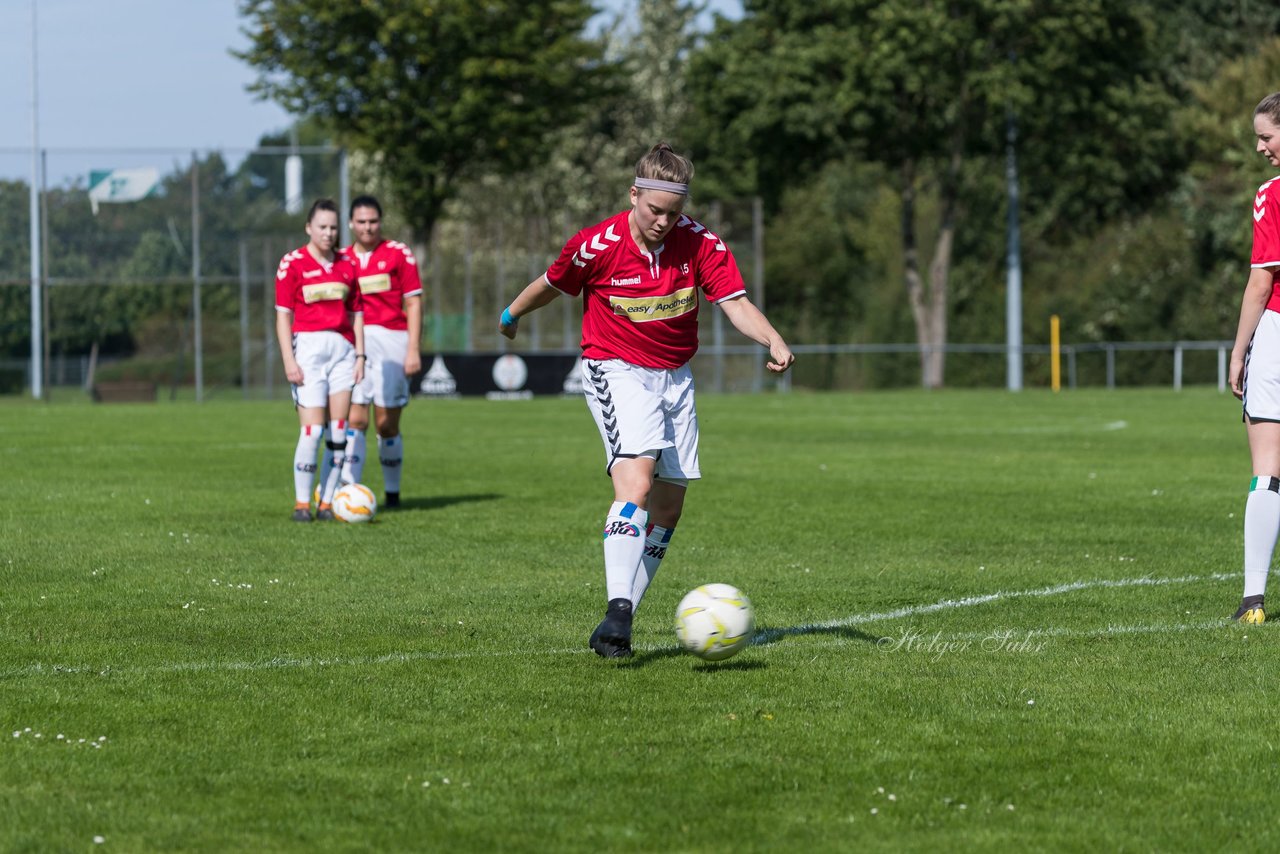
(311, 274)
(633, 280)
(595, 245)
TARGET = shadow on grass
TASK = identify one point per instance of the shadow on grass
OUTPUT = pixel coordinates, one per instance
(643, 658)
(436, 502)
(762, 637)
(769, 636)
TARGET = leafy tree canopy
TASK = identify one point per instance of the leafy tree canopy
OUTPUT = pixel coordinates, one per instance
(438, 88)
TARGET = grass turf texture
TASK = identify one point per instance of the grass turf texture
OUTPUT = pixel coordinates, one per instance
(423, 682)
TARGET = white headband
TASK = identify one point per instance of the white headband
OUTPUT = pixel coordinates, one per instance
(664, 186)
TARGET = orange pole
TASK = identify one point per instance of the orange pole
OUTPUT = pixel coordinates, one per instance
(1055, 353)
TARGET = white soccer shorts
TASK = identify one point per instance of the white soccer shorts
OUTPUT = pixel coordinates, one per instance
(641, 410)
(328, 363)
(384, 383)
(1262, 370)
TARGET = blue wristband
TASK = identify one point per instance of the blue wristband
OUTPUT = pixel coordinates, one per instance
(507, 319)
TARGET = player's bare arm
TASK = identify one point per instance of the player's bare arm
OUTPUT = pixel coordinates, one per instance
(751, 322)
(413, 315)
(537, 294)
(284, 337)
(357, 328)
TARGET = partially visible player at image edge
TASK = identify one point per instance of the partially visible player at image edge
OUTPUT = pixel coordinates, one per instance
(1255, 371)
(639, 273)
(391, 298)
(321, 336)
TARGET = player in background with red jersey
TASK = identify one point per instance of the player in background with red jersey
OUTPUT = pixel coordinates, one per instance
(1255, 371)
(321, 336)
(391, 298)
(639, 274)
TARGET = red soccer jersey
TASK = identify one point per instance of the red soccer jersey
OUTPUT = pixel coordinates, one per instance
(318, 295)
(386, 276)
(1266, 234)
(643, 307)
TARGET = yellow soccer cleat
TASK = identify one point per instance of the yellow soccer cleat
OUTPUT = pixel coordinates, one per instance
(1251, 612)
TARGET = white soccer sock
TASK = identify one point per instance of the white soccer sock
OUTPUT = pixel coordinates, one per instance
(355, 456)
(655, 549)
(304, 462)
(623, 548)
(338, 447)
(326, 463)
(1261, 525)
(391, 455)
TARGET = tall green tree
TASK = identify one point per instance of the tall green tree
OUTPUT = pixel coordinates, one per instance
(923, 88)
(439, 89)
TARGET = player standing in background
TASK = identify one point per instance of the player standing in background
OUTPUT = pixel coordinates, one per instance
(391, 297)
(639, 273)
(321, 337)
(1255, 371)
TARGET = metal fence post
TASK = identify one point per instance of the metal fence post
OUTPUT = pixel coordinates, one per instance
(1111, 367)
(1177, 367)
(757, 276)
(197, 330)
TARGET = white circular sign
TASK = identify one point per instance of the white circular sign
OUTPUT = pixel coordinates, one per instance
(510, 372)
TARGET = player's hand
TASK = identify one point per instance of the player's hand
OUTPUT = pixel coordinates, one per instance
(359, 374)
(508, 325)
(412, 362)
(1236, 376)
(293, 373)
(781, 358)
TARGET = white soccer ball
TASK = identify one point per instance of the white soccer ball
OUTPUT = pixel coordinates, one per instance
(714, 621)
(355, 503)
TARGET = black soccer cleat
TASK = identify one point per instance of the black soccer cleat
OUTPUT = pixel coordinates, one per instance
(1251, 611)
(302, 514)
(393, 500)
(612, 638)
(325, 513)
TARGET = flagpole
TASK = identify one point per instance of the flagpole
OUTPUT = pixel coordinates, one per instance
(37, 323)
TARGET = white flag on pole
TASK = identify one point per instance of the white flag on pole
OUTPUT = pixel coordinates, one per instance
(121, 185)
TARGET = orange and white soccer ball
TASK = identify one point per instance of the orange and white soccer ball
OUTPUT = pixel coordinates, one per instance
(355, 503)
(714, 621)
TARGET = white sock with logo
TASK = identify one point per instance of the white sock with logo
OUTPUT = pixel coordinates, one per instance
(304, 462)
(355, 455)
(623, 548)
(1261, 525)
(338, 451)
(391, 455)
(655, 549)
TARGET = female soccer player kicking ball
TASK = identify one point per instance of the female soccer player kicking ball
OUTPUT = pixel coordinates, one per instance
(639, 273)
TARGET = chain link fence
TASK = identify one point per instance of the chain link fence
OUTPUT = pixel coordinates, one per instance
(172, 293)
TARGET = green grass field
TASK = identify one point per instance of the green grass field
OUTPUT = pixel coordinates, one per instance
(986, 622)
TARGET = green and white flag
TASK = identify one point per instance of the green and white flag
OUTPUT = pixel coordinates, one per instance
(122, 185)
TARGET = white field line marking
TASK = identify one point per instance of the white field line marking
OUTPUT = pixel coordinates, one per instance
(768, 635)
(762, 637)
(1014, 635)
